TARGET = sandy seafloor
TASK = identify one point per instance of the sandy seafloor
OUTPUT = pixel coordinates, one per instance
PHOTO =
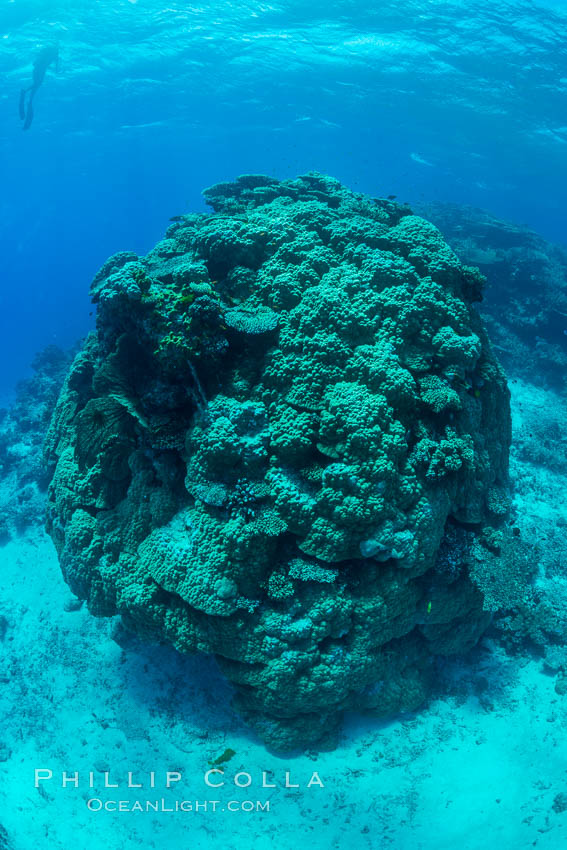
(484, 765)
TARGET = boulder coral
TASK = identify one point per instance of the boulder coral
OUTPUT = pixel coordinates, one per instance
(283, 446)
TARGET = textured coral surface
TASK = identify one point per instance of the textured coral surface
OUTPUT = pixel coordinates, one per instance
(287, 444)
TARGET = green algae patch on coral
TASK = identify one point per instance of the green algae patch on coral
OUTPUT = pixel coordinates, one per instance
(283, 446)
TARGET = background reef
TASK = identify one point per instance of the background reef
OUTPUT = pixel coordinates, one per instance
(526, 302)
(23, 477)
(287, 444)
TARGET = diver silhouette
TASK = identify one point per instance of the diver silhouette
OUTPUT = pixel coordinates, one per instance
(41, 63)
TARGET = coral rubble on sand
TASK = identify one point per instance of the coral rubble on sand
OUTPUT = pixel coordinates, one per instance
(287, 444)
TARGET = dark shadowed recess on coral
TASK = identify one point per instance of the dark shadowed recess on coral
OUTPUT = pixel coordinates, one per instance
(287, 445)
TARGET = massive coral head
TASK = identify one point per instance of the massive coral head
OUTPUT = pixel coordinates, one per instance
(284, 445)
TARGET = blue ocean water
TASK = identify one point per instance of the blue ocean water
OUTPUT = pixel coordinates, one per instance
(439, 100)
(434, 102)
